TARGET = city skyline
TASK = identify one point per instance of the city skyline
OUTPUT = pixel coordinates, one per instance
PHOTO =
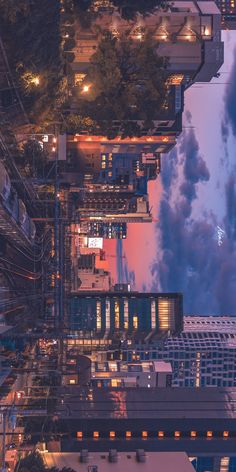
(214, 187)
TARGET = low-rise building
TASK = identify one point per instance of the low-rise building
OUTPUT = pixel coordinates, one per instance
(127, 374)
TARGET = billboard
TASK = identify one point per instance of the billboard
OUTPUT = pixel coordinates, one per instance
(95, 243)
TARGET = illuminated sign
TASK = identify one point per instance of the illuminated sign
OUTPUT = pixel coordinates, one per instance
(95, 243)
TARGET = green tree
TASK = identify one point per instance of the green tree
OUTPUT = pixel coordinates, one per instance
(76, 124)
(31, 463)
(127, 82)
(34, 158)
(127, 8)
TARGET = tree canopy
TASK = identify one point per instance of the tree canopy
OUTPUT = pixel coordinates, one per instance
(31, 33)
(126, 82)
(34, 463)
(128, 8)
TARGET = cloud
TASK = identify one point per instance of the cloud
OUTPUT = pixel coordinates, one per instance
(169, 170)
(190, 257)
(230, 217)
(195, 169)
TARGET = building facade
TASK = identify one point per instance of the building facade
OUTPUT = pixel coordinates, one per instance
(228, 11)
(109, 230)
(204, 354)
(150, 374)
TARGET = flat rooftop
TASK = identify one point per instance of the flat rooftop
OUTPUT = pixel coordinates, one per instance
(141, 403)
(126, 462)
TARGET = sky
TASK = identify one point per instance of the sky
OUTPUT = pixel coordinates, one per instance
(191, 247)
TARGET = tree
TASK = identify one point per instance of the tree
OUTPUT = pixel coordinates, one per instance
(34, 157)
(127, 83)
(76, 124)
(31, 463)
(10, 9)
(31, 32)
(127, 8)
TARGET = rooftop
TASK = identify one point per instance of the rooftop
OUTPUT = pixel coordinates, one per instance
(154, 404)
(154, 462)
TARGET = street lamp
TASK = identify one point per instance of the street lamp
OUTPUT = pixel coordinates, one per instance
(85, 88)
(36, 80)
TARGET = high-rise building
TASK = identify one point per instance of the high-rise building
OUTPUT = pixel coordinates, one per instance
(108, 230)
(113, 204)
(204, 354)
(126, 314)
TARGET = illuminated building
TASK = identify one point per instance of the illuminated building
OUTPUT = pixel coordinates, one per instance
(198, 421)
(126, 314)
(107, 230)
(228, 11)
(128, 461)
(187, 32)
(109, 203)
(149, 374)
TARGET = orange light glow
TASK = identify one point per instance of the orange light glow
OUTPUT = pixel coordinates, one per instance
(96, 434)
(225, 434)
(209, 434)
(79, 434)
(177, 434)
(144, 434)
(112, 434)
(128, 434)
(193, 434)
(160, 434)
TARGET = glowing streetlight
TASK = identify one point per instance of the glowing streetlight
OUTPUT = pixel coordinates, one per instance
(36, 80)
(85, 88)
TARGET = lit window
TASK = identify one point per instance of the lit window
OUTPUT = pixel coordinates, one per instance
(161, 434)
(135, 322)
(112, 434)
(144, 434)
(103, 157)
(96, 434)
(110, 157)
(79, 434)
(193, 434)
(103, 165)
(225, 434)
(72, 381)
(109, 174)
(128, 434)
(209, 434)
(177, 434)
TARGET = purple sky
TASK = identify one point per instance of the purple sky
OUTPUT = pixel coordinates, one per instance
(193, 246)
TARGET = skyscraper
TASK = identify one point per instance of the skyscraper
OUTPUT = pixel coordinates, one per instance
(204, 354)
(125, 315)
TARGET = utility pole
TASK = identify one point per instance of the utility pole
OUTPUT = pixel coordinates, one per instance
(4, 421)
